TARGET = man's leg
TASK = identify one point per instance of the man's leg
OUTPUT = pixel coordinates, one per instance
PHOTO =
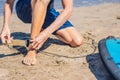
(70, 36)
(39, 8)
(38, 16)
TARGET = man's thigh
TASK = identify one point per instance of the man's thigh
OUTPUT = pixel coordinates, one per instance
(51, 16)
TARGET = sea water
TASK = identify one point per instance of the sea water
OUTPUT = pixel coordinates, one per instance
(77, 3)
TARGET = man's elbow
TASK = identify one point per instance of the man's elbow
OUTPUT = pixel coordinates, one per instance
(69, 12)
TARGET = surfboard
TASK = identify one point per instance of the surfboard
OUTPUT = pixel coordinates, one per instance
(109, 50)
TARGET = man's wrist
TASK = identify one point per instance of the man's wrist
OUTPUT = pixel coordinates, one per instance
(46, 32)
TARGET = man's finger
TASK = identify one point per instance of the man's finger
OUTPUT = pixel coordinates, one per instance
(31, 40)
(39, 46)
(31, 45)
(36, 45)
(8, 39)
(3, 40)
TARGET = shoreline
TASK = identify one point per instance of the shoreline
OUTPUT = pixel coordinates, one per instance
(77, 4)
(57, 61)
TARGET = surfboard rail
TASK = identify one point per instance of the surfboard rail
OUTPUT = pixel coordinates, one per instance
(107, 58)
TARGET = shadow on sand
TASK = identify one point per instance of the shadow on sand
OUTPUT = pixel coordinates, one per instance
(23, 49)
(97, 67)
(26, 36)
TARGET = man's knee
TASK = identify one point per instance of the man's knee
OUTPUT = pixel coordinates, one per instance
(77, 42)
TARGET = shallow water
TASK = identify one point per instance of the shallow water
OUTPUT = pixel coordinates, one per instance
(77, 3)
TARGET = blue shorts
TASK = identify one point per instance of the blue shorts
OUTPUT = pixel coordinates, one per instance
(24, 12)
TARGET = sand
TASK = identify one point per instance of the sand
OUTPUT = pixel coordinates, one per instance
(57, 61)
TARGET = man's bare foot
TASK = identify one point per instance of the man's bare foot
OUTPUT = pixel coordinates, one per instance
(30, 58)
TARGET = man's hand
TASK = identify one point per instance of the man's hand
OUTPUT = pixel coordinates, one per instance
(5, 35)
(38, 41)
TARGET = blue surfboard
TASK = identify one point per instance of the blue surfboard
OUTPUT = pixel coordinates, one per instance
(109, 50)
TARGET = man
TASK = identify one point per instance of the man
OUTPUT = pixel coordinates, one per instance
(44, 21)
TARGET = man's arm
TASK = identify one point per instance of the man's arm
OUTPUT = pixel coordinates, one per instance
(61, 19)
(5, 33)
(64, 15)
(8, 8)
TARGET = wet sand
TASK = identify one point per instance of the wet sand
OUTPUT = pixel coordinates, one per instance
(56, 60)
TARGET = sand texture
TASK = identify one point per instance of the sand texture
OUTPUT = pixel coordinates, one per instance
(56, 60)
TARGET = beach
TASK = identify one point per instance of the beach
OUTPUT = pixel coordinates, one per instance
(76, 3)
(56, 60)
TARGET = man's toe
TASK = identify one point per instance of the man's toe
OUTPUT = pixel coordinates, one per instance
(33, 61)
